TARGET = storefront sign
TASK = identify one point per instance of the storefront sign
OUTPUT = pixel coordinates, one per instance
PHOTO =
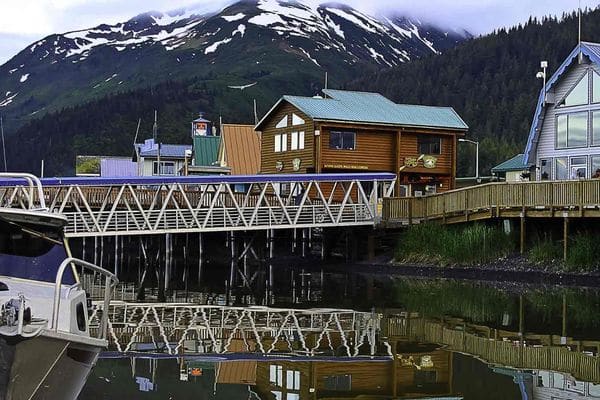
(279, 166)
(429, 161)
(345, 166)
(296, 164)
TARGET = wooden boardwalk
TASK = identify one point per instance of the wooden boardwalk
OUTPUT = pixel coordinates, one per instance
(542, 199)
(537, 352)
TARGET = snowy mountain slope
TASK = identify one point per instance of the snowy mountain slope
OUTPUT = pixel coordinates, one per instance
(248, 41)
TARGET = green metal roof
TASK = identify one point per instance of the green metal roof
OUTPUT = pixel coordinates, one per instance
(206, 150)
(514, 164)
(372, 108)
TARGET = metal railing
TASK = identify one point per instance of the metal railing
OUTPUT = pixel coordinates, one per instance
(495, 197)
(110, 282)
(34, 192)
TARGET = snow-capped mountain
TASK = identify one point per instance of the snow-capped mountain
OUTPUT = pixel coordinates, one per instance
(246, 42)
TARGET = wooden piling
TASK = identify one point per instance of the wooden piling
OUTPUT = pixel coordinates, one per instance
(565, 238)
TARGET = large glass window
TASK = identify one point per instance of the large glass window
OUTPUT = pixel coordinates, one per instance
(595, 164)
(571, 130)
(545, 170)
(276, 375)
(595, 88)
(561, 170)
(342, 140)
(578, 167)
(596, 127)
(579, 94)
(429, 145)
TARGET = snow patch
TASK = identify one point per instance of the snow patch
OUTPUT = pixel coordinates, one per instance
(24, 78)
(241, 29)
(232, 18)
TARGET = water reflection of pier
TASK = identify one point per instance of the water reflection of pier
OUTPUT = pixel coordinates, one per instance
(188, 328)
(494, 346)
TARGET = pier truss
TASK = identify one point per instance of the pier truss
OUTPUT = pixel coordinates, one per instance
(189, 328)
(151, 205)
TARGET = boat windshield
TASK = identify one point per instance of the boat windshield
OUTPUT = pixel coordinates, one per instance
(29, 251)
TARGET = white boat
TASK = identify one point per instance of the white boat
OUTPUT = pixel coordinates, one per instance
(46, 349)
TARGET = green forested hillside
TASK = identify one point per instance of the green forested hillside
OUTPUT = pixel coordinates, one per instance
(490, 81)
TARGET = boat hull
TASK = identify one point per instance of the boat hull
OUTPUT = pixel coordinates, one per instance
(44, 367)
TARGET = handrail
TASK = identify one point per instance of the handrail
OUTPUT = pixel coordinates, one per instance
(553, 195)
(34, 184)
(110, 282)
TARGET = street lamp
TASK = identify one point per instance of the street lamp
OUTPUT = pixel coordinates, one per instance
(476, 143)
(542, 75)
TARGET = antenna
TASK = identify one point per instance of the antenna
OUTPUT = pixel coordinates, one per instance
(137, 130)
(326, 78)
(580, 57)
(155, 126)
(3, 146)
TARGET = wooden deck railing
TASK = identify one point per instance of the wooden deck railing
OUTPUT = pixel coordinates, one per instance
(506, 350)
(495, 199)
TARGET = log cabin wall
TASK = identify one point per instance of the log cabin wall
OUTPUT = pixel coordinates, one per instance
(270, 158)
(373, 150)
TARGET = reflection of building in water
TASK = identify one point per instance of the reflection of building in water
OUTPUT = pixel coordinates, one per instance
(548, 385)
(411, 374)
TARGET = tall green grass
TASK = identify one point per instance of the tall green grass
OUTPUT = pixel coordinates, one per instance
(470, 244)
(582, 253)
(545, 250)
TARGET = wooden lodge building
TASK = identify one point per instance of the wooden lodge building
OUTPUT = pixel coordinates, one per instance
(347, 131)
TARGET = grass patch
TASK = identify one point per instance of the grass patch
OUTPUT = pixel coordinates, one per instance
(583, 253)
(546, 250)
(475, 243)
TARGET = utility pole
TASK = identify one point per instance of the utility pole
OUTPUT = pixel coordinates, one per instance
(155, 137)
(3, 145)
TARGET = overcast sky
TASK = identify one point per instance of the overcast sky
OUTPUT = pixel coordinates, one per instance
(25, 21)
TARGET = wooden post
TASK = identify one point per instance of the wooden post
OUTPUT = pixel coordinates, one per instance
(564, 316)
(565, 238)
(394, 370)
(398, 159)
(521, 319)
(522, 234)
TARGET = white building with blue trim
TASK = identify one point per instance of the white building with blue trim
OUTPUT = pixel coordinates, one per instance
(564, 139)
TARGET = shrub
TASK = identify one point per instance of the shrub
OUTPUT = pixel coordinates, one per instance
(545, 250)
(582, 253)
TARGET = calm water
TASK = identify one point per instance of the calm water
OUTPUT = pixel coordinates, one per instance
(452, 339)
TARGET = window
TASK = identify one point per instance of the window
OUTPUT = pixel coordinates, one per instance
(166, 168)
(578, 167)
(282, 123)
(342, 140)
(338, 382)
(571, 130)
(561, 171)
(297, 141)
(596, 126)
(429, 145)
(276, 375)
(292, 380)
(545, 170)
(578, 95)
(280, 142)
(595, 88)
(595, 164)
(296, 120)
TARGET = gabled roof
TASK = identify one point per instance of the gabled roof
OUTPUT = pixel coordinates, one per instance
(206, 150)
(517, 163)
(371, 108)
(241, 147)
(592, 50)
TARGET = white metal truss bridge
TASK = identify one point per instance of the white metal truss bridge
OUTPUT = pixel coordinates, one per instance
(170, 328)
(153, 205)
